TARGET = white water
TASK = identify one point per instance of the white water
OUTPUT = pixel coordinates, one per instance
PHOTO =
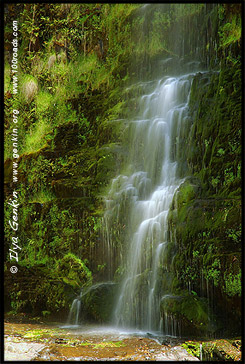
(73, 317)
(142, 197)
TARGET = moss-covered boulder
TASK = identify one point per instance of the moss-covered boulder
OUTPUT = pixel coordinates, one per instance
(74, 271)
(221, 350)
(190, 311)
(98, 301)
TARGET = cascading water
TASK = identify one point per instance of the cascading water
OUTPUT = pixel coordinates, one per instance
(142, 197)
(73, 317)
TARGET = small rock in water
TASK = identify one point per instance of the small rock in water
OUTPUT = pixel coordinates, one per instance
(176, 353)
(61, 341)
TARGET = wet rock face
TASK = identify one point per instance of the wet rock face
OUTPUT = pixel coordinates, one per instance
(97, 302)
(190, 311)
(206, 213)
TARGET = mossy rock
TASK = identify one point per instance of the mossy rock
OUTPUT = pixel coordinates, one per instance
(98, 301)
(191, 311)
(74, 271)
(220, 350)
(189, 190)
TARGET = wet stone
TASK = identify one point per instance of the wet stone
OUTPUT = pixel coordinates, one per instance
(176, 353)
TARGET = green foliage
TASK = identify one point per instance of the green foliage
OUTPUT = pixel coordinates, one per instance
(17, 303)
(73, 270)
(224, 92)
(230, 31)
(188, 9)
(101, 267)
(46, 313)
(235, 233)
(33, 253)
(44, 101)
(36, 139)
(221, 151)
(161, 24)
(97, 223)
(213, 272)
(195, 254)
(42, 196)
(7, 78)
(61, 82)
(233, 284)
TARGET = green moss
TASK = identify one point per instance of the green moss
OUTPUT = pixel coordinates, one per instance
(233, 285)
(190, 310)
(213, 272)
(188, 191)
(43, 333)
(230, 31)
(220, 350)
(44, 101)
(74, 271)
(39, 134)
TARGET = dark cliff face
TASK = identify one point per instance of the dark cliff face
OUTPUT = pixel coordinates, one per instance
(65, 169)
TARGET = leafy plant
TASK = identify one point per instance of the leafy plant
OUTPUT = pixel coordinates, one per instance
(232, 285)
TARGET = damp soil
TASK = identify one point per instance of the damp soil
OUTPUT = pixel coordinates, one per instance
(52, 342)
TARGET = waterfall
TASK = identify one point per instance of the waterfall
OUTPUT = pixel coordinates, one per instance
(73, 317)
(139, 200)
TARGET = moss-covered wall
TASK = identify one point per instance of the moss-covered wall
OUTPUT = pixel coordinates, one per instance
(73, 62)
(206, 211)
